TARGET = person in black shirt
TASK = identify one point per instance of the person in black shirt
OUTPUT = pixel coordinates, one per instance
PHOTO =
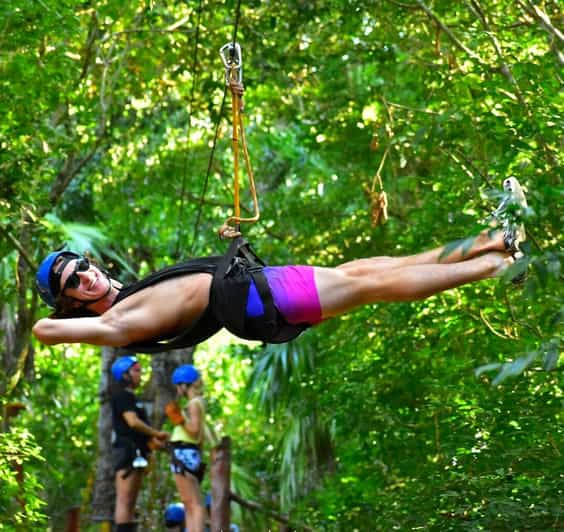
(133, 437)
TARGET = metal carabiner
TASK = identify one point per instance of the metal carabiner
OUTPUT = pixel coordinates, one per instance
(232, 59)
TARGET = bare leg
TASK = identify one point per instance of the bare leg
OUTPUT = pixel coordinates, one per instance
(127, 490)
(343, 289)
(194, 511)
(482, 243)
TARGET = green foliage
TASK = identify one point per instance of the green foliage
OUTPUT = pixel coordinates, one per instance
(444, 414)
(62, 415)
(21, 503)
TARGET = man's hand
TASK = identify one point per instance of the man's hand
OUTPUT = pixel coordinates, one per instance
(163, 436)
(237, 89)
(156, 443)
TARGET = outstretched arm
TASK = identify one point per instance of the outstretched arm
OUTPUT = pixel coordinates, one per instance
(94, 330)
(121, 325)
(156, 311)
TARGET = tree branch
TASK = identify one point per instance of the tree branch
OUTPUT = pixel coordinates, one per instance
(69, 171)
(476, 8)
(451, 35)
(255, 506)
(171, 29)
(21, 250)
(402, 5)
(545, 23)
(468, 165)
(540, 16)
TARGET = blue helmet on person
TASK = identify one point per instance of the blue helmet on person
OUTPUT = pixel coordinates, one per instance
(121, 366)
(185, 374)
(174, 514)
(47, 284)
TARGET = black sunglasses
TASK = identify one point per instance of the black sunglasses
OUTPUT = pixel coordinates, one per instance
(73, 280)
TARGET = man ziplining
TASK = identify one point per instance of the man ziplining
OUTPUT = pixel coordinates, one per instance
(185, 304)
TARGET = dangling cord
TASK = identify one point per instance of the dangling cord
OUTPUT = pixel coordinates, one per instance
(191, 109)
(228, 230)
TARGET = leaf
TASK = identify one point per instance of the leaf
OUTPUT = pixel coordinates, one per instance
(464, 244)
(487, 367)
(512, 369)
(551, 356)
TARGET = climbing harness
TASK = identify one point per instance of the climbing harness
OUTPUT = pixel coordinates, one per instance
(232, 275)
(232, 59)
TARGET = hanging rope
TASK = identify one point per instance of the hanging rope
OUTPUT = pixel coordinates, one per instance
(377, 195)
(233, 62)
(179, 224)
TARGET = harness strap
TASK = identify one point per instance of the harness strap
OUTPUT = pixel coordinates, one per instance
(241, 254)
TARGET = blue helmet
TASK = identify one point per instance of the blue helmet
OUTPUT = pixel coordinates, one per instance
(185, 374)
(121, 366)
(46, 281)
(174, 514)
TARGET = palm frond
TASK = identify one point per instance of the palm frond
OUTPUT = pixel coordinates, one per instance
(279, 372)
(307, 454)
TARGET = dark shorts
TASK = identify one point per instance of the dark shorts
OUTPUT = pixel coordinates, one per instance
(124, 454)
(187, 458)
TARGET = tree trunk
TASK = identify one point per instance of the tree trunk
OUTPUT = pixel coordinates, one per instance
(16, 322)
(73, 519)
(160, 390)
(221, 486)
(103, 498)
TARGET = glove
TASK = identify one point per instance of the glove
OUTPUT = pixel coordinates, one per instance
(174, 413)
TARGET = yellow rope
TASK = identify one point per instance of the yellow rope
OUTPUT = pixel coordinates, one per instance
(231, 229)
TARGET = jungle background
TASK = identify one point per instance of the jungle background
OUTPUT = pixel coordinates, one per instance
(443, 414)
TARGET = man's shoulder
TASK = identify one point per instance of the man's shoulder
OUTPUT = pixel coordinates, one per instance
(122, 395)
(192, 266)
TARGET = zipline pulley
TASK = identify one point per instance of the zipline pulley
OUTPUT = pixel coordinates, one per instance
(233, 62)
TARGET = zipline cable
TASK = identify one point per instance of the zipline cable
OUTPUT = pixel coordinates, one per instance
(179, 224)
(216, 135)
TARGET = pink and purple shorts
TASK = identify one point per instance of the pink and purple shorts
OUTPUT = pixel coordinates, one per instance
(293, 291)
